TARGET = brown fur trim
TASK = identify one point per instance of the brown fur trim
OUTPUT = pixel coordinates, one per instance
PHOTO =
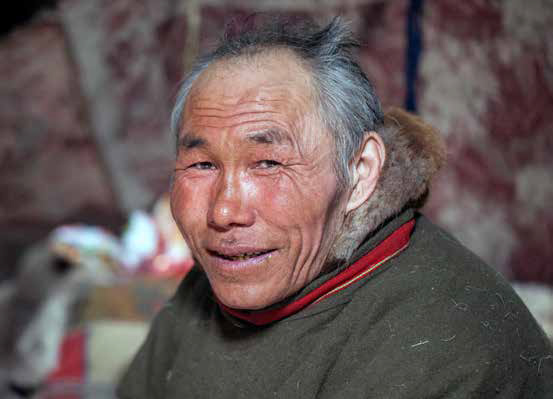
(414, 153)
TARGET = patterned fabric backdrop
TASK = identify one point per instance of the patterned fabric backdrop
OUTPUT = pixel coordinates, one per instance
(87, 87)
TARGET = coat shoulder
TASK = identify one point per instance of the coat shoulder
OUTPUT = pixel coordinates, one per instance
(439, 311)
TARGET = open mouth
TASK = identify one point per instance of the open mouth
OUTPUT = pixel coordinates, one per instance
(240, 257)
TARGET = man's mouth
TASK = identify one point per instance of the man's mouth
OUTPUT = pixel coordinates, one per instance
(240, 256)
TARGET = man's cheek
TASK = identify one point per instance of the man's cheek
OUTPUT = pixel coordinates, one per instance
(293, 207)
(189, 193)
(192, 232)
(282, 197)
(189, 207)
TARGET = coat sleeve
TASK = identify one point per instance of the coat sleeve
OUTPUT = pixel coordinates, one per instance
(145, 377)
(458, 340)
(470, 372)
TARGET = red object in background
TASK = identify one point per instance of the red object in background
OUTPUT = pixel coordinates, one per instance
(71, 371)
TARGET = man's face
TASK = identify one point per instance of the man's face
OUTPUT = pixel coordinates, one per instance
(255, 190)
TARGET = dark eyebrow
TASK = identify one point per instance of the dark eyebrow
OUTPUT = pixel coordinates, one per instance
(270, 136)
(189, 141)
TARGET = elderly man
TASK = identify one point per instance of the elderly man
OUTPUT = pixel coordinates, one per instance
(316, 277)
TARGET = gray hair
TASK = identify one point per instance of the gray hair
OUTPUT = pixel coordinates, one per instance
(347, 102)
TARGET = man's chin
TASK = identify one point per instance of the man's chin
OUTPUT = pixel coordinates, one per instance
(244, 298)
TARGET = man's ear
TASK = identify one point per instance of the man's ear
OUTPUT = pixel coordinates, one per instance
(366, 170)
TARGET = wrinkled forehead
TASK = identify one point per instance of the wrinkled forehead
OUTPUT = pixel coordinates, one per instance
(272, 65)
(272, 81)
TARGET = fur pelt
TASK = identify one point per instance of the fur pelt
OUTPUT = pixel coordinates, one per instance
(34, 310)
(414, 153)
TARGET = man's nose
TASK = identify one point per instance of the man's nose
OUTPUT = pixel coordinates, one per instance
(229, 205)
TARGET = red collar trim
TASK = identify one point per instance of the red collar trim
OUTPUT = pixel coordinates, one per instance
(390, 247)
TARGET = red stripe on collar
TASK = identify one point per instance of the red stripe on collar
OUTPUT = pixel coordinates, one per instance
(391, 246)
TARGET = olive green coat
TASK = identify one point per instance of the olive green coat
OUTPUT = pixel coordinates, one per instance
(432, 322)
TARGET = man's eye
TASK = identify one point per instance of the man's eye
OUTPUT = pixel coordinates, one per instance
(267, 164)
(202, 165)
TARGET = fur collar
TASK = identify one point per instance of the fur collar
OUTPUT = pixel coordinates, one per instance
(414, 153)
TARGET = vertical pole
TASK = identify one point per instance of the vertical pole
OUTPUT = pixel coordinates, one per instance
(414, 48)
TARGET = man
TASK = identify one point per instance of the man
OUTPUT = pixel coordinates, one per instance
(316, 277)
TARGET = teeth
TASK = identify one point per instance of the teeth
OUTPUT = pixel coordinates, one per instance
(242, 256)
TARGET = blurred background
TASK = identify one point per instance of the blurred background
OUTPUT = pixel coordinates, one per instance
(87, 87)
